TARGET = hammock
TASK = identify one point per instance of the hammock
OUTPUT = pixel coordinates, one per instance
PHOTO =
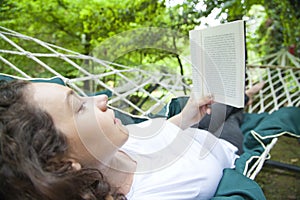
(133, 89)
(138, 91)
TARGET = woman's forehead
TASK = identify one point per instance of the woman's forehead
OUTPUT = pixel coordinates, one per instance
(48, 93)
(53, 99)
(49, 89)
(44, 85)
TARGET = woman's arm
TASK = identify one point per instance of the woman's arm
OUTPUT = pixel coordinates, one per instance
(193, 111)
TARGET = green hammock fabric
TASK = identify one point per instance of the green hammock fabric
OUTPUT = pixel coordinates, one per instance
(236, 186)
(260, 129)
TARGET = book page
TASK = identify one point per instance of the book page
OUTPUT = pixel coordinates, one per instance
(221, 51)
(197, 61)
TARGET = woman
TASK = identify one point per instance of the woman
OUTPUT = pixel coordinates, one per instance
(33, 160)
(58, 145)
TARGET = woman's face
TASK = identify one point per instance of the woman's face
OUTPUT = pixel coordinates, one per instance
(93, 132)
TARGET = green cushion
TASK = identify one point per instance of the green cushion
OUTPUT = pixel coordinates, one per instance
(56, 79)
(236, 186)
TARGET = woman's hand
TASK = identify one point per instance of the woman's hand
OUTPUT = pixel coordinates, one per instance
(193, 112)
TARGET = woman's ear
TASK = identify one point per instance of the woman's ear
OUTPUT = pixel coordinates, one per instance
(74, 164)
(109, 197)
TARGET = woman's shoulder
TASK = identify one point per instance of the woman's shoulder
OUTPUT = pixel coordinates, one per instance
(150, 136)
(152, 127)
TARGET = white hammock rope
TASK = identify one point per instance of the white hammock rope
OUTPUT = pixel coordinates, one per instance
(281, 89)
(126, 84)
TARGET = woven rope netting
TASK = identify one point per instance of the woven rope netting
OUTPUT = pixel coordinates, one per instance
(135, 90)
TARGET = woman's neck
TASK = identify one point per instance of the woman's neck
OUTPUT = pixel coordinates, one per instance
(119, 172)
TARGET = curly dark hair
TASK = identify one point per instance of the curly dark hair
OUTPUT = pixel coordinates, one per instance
(32, 152)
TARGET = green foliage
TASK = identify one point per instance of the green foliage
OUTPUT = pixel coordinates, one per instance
(279, 28)
(98, 26)
(138, 33)
(141, 33)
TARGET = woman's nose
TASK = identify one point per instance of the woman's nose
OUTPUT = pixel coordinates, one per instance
(101, 102)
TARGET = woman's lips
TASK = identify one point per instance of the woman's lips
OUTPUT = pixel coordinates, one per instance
(117, 121)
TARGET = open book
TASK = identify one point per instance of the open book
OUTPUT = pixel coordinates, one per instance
(218, 57)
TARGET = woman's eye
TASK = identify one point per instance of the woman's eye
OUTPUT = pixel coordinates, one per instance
(81, 107)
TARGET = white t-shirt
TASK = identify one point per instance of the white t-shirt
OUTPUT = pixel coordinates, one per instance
(174, 164)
